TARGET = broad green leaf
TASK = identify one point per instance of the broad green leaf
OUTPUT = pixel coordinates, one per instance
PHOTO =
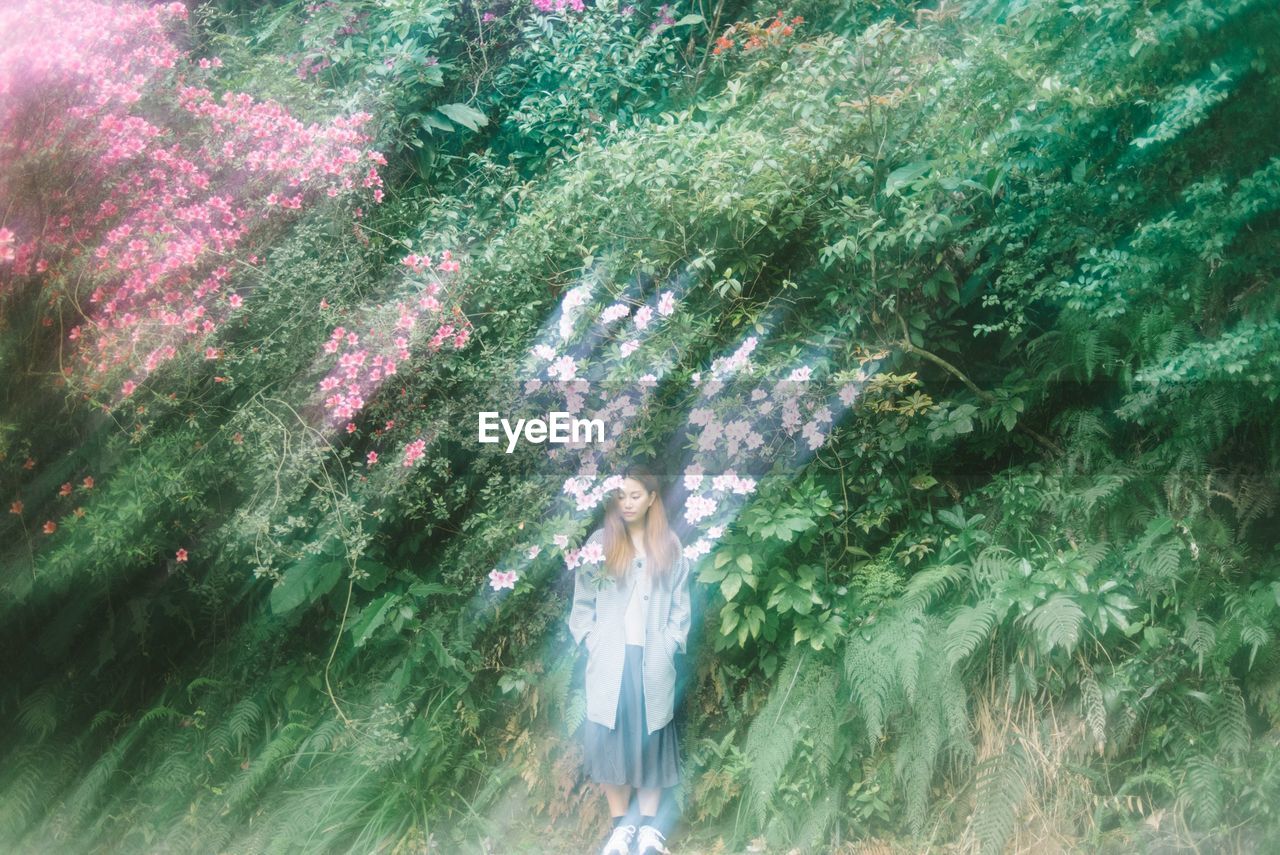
(466, 116)
(305, 582)
(904, 175)
(730, 586)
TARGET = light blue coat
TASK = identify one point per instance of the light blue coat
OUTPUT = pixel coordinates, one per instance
(598, 617)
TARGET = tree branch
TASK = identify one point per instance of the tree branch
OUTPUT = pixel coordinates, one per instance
(982, 394)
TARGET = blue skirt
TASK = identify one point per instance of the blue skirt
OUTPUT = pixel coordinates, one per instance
(628, 753)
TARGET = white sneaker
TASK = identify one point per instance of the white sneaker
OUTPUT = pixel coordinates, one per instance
(619, 842)
(651, 842)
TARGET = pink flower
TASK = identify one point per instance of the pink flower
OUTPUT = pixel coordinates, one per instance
(128, 387)
(413, 452)
(693, 476)
(699, 507)
(564, 368)
(371, 458)
(592, 553)
(499, 579)
(696, 550)
(49, 527)
(235, 301)
(212, 353)
(643, 315)
(614, 312)
(533, 552)
(666, 303)
(181, 555)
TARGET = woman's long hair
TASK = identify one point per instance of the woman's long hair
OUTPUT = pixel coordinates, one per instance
(662, 548)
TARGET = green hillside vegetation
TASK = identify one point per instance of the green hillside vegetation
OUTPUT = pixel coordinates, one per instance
(1025, 596)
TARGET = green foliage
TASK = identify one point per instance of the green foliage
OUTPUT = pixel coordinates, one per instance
(1028, 589)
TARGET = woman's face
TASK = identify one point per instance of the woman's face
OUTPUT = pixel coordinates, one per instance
(634, 500)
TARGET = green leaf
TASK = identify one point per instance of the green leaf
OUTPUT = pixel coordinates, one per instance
(466, 116)
(904, 175)
(923, 481)
(371, 618)
(730, 586)
(305, 582)
(430, 121)
(424, 589)
(729, 618)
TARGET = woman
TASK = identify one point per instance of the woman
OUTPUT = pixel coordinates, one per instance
(631, 610)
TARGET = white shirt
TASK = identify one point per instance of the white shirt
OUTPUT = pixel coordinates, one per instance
(636, 606)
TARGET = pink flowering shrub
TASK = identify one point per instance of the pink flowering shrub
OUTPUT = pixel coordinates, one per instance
(366, 359)
(546, 7)
(137, 193)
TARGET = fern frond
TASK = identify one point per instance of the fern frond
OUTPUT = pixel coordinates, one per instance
(802, 703)
(1002, 786)
(243, 718)
(993, 565)
(1199, 635)
(267, 763)
(159, 713)
(1057, 622)
(1229, 722)
(324, 738)
(575, 711)
(928, 585)
(969, 628)
(1202, 790)
(201, 682)
(38, 712)
(1093, 708)
(101, 719)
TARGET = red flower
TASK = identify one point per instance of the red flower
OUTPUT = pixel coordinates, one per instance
(65, 489)
(50, 527)
(182, 555)
(88, 482)
(15, 507)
